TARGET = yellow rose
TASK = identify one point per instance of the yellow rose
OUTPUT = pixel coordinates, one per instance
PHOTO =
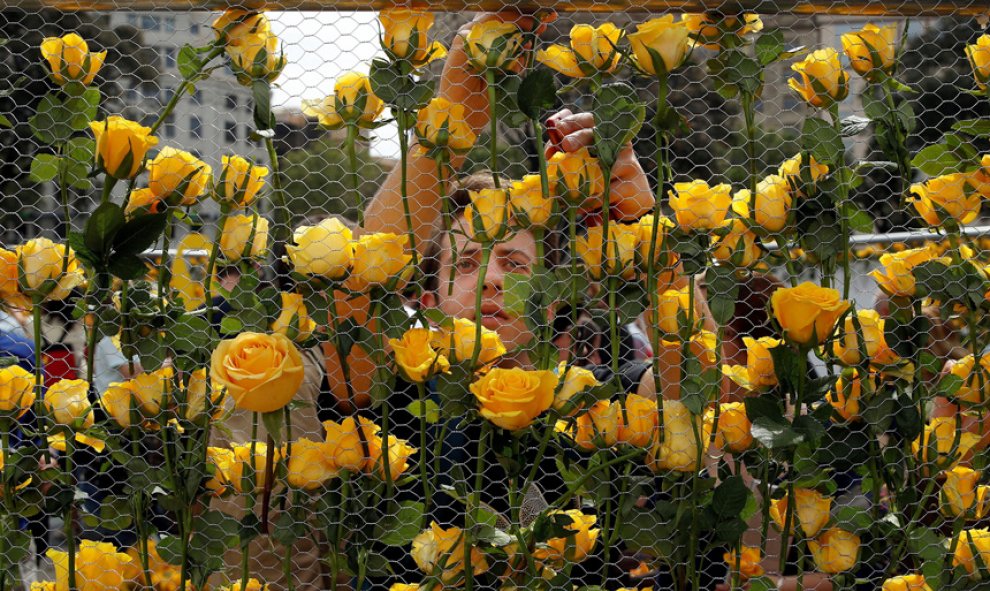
(978, 55)
(344, 449)
(939, 436)
(846, 395)
(714, 31)
(353, 102)
(492, 209)
(239, 473)
(16, 391)
(895, 279)
(513, 398)
(68, 403)
(378, 258)
(140, 199)
(239, 182)
(416, 357)
(458, 341)
(674, 306)
(807, 313)
(682, 442)
(906, 583)
(970, 540)
(772, 203)
(244, 235)
(759, 361)
(121, 146)
(235, 25)
(621, 250)
(178, 177)
(660, 45)
(325, 249)
(99, 567)
(402, 587)
(737, 246)
(698, 207)
(734, 428)
(959, 491)
(835, 551)
(399, 452)
(442, 125)
(220, 460)
(662, 257)
(638, 424)
(811, 511)
(293, 321)
(822, 81)
(50, 270)
(593, 50)
(43, 586)
(256, 57)
(260, 372)
(9, 289)
(746, 561)
(847, 346)
(946, 197)
(405, 37)
(70, 59)
(576, 380)
(702, 347)
(798, 175)
(493, 45)
(574, 548)
(440, 552)
(309, 464)
(871, 50)
(149, 390)
(577, 176)
(529, 208)
(253, 584)
(195, 405)
(597, 427)
(970, 390)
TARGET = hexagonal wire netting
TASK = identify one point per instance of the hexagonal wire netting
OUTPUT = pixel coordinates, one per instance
(849, 147)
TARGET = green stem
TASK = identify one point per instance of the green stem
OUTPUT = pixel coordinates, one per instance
(380, 381)
(352, 169)
(486, 254)
(652, 288)
(282, 230)
(163, 271)
(423, 464)
(493, 128)
(843, 187)
(574, 283)
(574, 488)
(474, 502)
(184, 86)
(211, 267)
(249, 498)
(135, 434)
(447, 222)
(70, 534)
(765, 501)
(108, 184)
(400, 120)
(338, 347)
(749, 115)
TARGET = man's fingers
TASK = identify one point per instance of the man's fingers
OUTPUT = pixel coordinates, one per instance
(573, 123)
(574, 141)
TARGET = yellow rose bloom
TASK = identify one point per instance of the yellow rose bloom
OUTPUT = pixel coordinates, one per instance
(660, 45)
(575, 381)
(399, 452)
(9, 288)
(822, 80)
(404, 587)
(405, 38)
(261, 373)
(70, 59)
(676, 448)
(811, 511)
(620, 252)
(513, 398)
(325, 249)
(239, 472)
(416, 357)
(959, 491)
(847, 346)
(529, 208)
(492, 209)
(140, 199)
(442, 125)
(239, 181)
(178, 177)
(871, 50)
(772, 204)
(807, 313)
(759, 361)
(293, 321)
(970, 540)
(714, 31)
(16, 391)
(970, 392)
(121, 146)
(99, 566)
(220, 460)
(791, 170)
(734, 428)
(835, 551)
(50, 270)
(353, 102)
(68, 403)
(256, 57)
(149, 390)
(746, 561)
(593, 50)
(240, 230)
(344, 449)
(978, 55)
(938, 437)
(946, 197)
(578, 177)
(738, 246)
(195, 403)
(906, 583)
(599, 427)
(574, 548)
(235, 25)
(493, 45)
(638, 424)
(674, 307)
(662, 257)
(698, 207)
(253, 584)
(309, 466)
(895, 279)
(458, 342)
(440, 552)
(378, 258)
(845, 396)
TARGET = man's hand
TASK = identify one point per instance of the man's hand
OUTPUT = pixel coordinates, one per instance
(631, 197)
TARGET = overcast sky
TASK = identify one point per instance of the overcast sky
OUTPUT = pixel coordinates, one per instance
(320, 46)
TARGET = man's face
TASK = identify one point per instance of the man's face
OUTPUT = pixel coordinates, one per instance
(516, 255)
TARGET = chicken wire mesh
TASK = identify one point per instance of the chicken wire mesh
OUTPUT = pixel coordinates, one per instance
(424, 407)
